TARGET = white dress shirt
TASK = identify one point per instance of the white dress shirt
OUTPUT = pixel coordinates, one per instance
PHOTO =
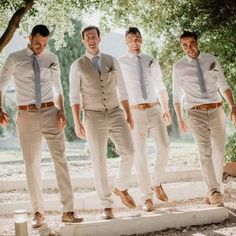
(19, 65)
(75, 79)
(185, 81)
(152, 78)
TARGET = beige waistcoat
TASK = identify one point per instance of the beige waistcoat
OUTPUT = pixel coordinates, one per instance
(98, 91)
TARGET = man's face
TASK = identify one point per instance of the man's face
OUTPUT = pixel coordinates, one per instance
(38, 43)
(189, 46)
(133, 42)
(91, 41)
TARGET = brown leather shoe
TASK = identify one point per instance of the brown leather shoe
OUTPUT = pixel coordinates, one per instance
(108, 214)
(215, 198)
(125, 197)
(70, 217)
(160, 193)
(148, 206)
(38, 220)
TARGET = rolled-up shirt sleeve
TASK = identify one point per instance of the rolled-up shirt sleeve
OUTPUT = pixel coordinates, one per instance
(74, 93)
(177, 88)
(6, 75)
(121, 88)
(56, 77)
(158, 77)
(221, 81)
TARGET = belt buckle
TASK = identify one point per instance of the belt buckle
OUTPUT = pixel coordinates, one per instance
(141, 106)
(30, 107)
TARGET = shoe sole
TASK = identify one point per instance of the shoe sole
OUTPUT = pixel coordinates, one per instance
(70, 222)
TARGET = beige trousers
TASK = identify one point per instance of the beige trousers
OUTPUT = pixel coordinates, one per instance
(208, 128)
(149, 123)
(99, 126)
(32, 126)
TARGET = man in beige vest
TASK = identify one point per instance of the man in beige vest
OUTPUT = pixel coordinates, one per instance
(94, 80)
(40, 114)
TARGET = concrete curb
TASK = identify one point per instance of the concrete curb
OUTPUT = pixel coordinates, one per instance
(139, 225)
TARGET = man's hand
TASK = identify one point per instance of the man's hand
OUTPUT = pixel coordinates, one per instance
(80, 131)
(61, 119)
(233, 114)
(183, 126)
(4, 118)
(166, 117)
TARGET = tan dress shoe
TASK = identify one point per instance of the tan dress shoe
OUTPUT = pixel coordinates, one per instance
(38, 220)
(215, 198)
(70, 217)
(125, 197)
(160, 193)
(148, 206)
(108, 214)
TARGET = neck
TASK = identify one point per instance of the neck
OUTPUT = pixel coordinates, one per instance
(93, 52)
(135, 52)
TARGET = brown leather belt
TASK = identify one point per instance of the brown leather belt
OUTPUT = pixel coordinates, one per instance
(143, 106)
(32, 107)
(205, 107)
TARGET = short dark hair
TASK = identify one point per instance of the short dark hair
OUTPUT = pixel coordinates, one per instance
(189, 34)
(40, 29)
(132, 30)
(91, 27)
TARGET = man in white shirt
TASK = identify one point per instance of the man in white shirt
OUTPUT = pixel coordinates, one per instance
(149, 105)
(95, 79)
(196, 80)
(38, 117)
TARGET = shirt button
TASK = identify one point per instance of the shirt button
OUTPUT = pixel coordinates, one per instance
(104, 99)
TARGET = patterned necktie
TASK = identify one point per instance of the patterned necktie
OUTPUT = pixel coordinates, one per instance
(141, 78)
(201, 80)
(95, 63)
(37, 82)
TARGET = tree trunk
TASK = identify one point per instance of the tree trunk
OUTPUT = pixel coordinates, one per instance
(14, 23)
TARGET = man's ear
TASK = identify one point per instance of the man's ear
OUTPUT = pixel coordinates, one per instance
(30, 38)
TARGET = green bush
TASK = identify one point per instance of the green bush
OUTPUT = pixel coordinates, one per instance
(230, 149)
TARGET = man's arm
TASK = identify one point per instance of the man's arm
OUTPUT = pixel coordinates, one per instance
(179, 113)
(230, 100)
(164, 99)
(125, 105)
(59, 103)
(79, 128)
(5, 77)
(4, 118)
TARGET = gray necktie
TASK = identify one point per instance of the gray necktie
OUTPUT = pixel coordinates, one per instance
(201, 80)
(37, 82)
(141, 78)
(95, 63)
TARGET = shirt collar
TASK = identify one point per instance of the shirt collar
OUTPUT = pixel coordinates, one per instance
(132, 55)
(30, 52)
(190, 59)
(90, 56)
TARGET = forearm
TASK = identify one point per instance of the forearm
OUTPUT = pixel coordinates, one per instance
(178, 111)
(76, 111)
(59, 102)
(164, 99)
(125, 105)
(229, 97)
